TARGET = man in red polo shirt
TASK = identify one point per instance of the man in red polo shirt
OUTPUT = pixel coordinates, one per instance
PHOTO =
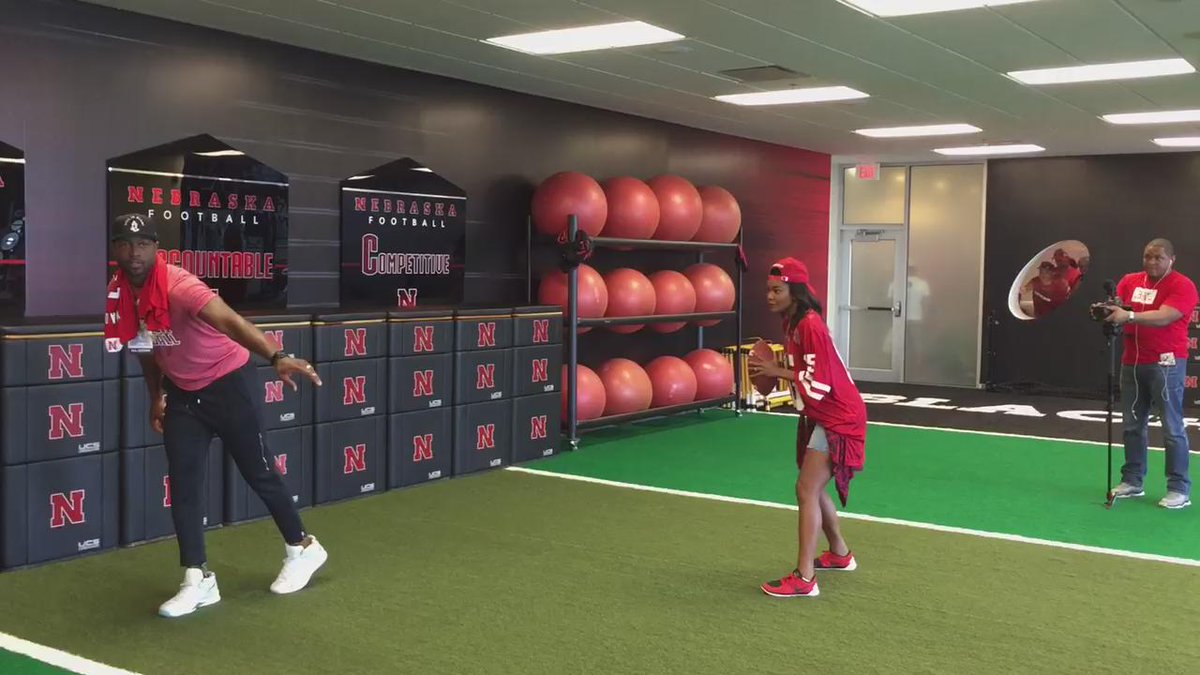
(1153, 368)
(195, 354)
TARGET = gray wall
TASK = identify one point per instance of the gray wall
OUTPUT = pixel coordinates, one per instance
(87, 83)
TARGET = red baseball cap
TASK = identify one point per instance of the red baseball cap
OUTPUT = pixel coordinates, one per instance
(790, 271)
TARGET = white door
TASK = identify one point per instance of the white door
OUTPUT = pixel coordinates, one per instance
(871, 316)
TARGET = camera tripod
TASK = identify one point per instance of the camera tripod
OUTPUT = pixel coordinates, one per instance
(1111, 331)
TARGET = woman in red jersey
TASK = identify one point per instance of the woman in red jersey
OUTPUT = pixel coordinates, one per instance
(831, 439)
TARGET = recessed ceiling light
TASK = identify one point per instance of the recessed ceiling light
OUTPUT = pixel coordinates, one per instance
(1126, 70)
(924, 130)
(1004, 149)
(783, 96)
(910, 7)
(1160, 117)
(586, 38)
(1179, 142)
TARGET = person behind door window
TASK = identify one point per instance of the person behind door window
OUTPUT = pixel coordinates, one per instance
(1153, 368)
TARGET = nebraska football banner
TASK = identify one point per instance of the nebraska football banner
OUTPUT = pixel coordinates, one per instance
(12, 226)
(224, 217)
(403, 238)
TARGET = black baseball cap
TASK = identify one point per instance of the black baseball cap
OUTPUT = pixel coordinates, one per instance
(134, 226)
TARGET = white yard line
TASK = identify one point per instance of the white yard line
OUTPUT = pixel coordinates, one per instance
(873, 519)
(57, 657)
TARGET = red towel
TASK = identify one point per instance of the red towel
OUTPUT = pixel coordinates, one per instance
(123, 316)
(847, 454)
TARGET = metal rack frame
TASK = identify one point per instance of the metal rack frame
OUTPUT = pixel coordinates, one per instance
(572, 323)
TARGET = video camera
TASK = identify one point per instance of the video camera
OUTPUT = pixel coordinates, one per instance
(1099, 311)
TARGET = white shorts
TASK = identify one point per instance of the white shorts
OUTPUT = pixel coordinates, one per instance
(818, 440)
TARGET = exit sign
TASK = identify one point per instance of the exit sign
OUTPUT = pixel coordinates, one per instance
(867, 172)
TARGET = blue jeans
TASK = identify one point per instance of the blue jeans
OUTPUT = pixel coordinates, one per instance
(1160, 387)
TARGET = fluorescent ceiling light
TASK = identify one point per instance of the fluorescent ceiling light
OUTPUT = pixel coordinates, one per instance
(221, 153)
(909, 7)
(12, 160)
(976, 150)
(1126, 70)
(1160, 117)
(782, 96)
(924, 130)
(1179, 142)
(586, 38)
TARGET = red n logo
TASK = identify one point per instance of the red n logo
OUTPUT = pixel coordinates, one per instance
(356, 458)
(485, 436)
(1192, 342)
(541, 330)
(487, 334)
(274, 391)
(422, 447)
(537, 426)
(356, 342)
(64, 363)
(166, 492)
(541, 370)
(276, 335)
(1190, 382)
(66, 423)
(281, 464)
(423, 383)
(485, 376)
(64, 509)
(422, 338)
(406, 298)
(355, 389)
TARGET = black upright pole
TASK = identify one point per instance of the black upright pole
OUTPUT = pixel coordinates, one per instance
(1110, 496)
(572, 340)
(737, 345)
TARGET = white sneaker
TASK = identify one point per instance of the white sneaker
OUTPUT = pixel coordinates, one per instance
(298, 567)
(1125, 490)
(1175, 500)
(195, 592)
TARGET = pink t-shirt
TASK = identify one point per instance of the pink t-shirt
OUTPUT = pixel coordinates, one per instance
(192, 353)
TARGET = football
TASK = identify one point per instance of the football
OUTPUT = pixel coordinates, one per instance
(765, 384)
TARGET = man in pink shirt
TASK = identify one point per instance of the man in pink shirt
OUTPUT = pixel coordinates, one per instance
(195, 355)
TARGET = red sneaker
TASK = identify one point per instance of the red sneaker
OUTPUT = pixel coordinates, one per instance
(831, 561)
(792, 586)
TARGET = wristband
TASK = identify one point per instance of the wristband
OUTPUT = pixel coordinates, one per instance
(1132, 315)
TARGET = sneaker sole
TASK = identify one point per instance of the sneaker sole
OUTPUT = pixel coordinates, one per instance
(848, 568)
(211, 600)
(1177, 506)
(323, 560)
(1131, 494)
(815, 592)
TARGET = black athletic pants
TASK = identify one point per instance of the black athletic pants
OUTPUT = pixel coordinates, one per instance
(227, 408)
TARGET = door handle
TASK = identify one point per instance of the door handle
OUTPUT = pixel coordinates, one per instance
(896, 309)
(870, 308)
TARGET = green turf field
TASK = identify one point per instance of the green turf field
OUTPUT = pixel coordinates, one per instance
(511, 572)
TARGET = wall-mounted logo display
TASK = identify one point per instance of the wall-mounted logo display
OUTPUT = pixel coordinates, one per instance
(220, 214)
(404, 238)
(12, 227)
(1048, 280)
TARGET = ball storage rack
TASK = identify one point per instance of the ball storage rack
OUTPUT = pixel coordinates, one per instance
(572, 321)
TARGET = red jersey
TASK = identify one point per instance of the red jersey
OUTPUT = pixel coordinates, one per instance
(825, 393)
(1047, 297)
(1157, 344)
